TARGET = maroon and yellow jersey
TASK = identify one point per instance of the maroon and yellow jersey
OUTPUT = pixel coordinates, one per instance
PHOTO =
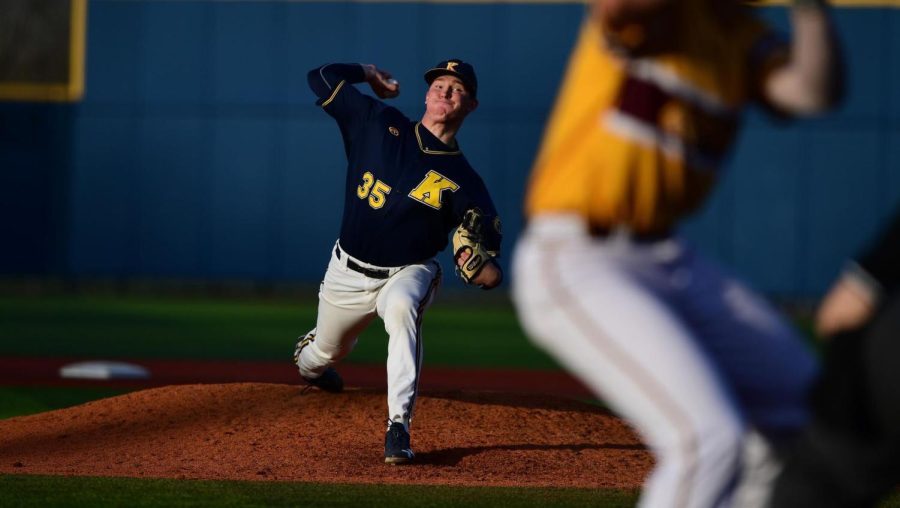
(637, 140)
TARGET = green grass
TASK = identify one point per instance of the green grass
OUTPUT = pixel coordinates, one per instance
(26, 400)
(193, 328)
(90, 492)
(41, 491)
(131, 327)
(189, 328)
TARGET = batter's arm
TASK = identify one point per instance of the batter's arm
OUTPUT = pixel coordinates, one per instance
(811, 80)
(636, 27)
(850, 302)
(864, 285)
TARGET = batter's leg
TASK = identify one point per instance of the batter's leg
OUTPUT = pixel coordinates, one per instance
(621, 340)
(760, 355)
(761, 358)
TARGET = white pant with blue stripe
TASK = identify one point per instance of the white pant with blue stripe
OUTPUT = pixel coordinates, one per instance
(348, 302)
(683, 351)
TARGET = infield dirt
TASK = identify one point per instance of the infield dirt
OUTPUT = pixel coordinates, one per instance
(261, 431)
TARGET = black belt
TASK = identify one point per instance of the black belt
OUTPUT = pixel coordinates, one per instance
(374, 273)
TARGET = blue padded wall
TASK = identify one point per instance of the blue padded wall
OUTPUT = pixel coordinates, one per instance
(197, 152)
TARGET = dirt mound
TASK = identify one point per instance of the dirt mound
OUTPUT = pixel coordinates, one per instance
(255, 431)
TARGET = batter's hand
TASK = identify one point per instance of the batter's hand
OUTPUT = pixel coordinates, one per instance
(847, 306)
(384, 86)
(636, 27)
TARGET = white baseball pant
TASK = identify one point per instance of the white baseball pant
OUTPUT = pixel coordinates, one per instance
(681, 350)
(350, 300)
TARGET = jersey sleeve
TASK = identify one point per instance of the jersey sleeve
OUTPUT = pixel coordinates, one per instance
(333, 85)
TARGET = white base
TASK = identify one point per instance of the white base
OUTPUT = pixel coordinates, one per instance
(103, 370)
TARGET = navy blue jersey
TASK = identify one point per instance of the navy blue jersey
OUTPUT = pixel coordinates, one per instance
(405, 189)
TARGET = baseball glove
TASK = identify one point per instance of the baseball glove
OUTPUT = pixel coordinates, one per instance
(467, 238)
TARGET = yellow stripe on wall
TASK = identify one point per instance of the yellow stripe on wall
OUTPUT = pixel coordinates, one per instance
(73, 88)
(34, 92)
(77, 50)
(762, 3)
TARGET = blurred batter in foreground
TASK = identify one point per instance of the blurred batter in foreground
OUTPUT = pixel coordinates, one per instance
(708, 373)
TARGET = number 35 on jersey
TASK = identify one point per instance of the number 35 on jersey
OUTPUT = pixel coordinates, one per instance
(375, 190)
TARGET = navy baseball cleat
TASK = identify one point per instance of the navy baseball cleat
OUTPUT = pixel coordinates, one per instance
(396, 445)
(330, 381)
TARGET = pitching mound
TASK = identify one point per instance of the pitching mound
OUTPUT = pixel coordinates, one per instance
(254, 431)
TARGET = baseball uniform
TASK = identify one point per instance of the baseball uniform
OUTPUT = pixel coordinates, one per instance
(405, 190)
(669, 339)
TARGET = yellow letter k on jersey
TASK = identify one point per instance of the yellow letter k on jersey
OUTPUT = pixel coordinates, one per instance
(430, 189)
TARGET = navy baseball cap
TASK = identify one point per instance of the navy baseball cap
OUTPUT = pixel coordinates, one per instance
(455, 67)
